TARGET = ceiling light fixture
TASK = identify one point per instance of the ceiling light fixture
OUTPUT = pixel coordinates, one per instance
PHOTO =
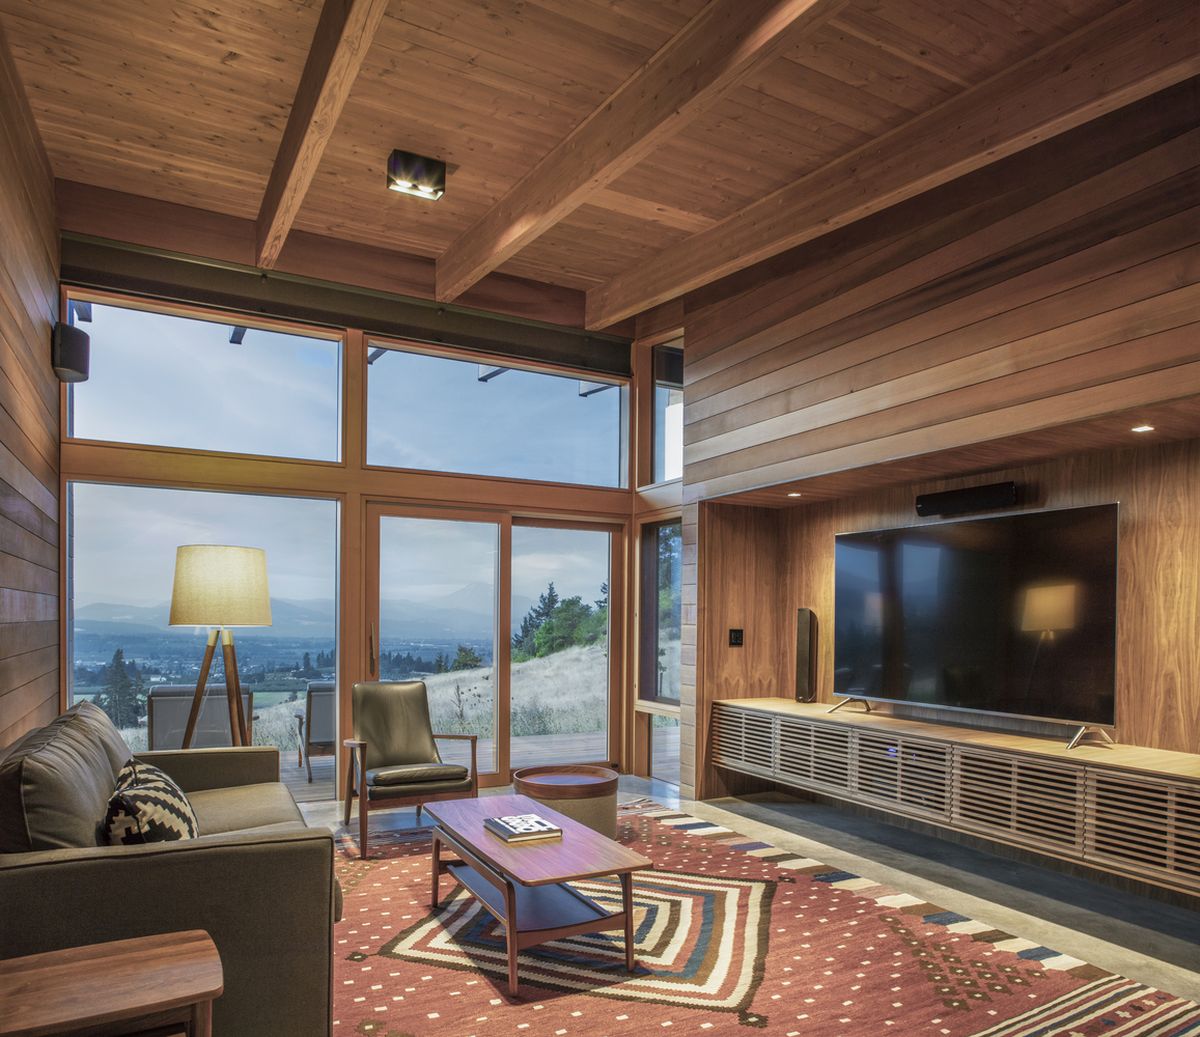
(416, 175)
(1142, 428)
(793, 494)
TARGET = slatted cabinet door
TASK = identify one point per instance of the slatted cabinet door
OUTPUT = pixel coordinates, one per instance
(744, 741)
(1020, 800)
(909, 772)
(1144, 824)
(813, 755)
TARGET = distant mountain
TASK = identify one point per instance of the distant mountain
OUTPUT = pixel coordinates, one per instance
(290, 619)
(466, 613)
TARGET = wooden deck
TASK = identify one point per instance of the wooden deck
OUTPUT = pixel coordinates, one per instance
(527, 750)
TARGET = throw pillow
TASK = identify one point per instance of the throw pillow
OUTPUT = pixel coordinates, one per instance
(147, 807)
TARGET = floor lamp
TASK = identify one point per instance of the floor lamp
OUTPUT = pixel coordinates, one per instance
(220, 587)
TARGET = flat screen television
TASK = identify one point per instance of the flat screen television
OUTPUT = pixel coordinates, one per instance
(1013, 615)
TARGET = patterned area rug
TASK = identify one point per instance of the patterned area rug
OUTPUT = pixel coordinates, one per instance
(733, 936)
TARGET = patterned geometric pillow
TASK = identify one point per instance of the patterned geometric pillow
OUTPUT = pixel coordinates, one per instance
(147, 807)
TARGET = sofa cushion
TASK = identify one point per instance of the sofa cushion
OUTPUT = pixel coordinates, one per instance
(55, 782)
(415, 773)
(244, 807)
(147, 807)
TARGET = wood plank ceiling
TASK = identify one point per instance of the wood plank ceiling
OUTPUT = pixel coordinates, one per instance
(188, 103)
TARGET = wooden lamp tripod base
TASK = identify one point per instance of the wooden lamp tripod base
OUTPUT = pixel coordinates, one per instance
(233, 689)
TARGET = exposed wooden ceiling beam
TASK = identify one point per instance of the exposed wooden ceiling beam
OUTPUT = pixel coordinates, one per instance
(710, 55)
(342, 39)
(1140, 48)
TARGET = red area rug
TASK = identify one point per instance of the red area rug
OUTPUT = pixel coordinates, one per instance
(733, 936)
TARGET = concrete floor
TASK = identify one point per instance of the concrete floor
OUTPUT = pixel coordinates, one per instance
(1148, 940)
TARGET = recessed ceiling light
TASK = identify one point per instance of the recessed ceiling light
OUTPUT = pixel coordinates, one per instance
(416, 175)
(1142, 428)
(793, 494)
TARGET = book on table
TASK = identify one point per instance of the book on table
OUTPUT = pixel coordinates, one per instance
(522, 828)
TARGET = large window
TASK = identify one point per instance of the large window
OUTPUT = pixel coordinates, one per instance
(443, 414)
(125, 657)
(661, 610)
(668, 413)
(164, 380)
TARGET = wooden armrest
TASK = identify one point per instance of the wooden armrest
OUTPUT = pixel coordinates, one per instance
(354, 743)
(460, 738)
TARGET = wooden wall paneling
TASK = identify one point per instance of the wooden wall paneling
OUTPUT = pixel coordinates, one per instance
(29, 480)
(1044, 309)
(758, 300)
(741, 581)
(1053, 245)
(1158, 594)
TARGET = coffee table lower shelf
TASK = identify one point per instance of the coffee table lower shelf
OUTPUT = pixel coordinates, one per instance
(551, 911)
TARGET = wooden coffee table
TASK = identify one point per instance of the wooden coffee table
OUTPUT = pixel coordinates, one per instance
(525, 886)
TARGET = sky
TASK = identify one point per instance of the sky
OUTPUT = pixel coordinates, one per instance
(432, 412)
(172, 381)
(124, 540)
(430, 559)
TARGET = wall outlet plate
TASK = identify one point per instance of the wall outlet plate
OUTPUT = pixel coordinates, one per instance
(736, 638)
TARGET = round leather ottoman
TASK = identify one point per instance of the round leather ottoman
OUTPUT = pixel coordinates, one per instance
(584, 793)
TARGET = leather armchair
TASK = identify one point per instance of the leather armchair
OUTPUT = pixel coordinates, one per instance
(393, 759)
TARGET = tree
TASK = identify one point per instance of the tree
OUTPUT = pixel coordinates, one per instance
(122, 697)
(565, 627)
(466, 658)
(440, 664)
(524, 644)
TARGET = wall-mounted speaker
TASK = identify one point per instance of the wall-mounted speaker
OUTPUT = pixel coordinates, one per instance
(992, 497)
(70, 350)
(806, 655)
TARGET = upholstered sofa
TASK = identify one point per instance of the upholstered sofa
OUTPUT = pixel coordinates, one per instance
(257, 878)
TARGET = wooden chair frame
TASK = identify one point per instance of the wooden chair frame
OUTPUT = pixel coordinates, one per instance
(356, 786)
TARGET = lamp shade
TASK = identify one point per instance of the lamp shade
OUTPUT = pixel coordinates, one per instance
(1050, 607)
(220, 586)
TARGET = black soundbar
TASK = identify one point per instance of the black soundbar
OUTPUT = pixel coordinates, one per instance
(992, 497)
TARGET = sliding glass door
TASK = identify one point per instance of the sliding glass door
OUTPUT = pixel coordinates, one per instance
(509, 624)
(435, 603)
(560, 644)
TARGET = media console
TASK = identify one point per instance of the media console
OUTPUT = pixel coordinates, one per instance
(1122, 809)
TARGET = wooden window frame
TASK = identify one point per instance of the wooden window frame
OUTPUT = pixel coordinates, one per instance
(358, 487)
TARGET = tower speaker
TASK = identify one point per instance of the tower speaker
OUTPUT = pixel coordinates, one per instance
(70, 349)
(806, 655)
(992, 497)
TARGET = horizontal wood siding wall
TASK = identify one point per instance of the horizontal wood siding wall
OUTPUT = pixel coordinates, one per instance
(1053, 287)
(1158, 587)
(29, 651)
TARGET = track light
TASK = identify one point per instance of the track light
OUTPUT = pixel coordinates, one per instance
(416, 175)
